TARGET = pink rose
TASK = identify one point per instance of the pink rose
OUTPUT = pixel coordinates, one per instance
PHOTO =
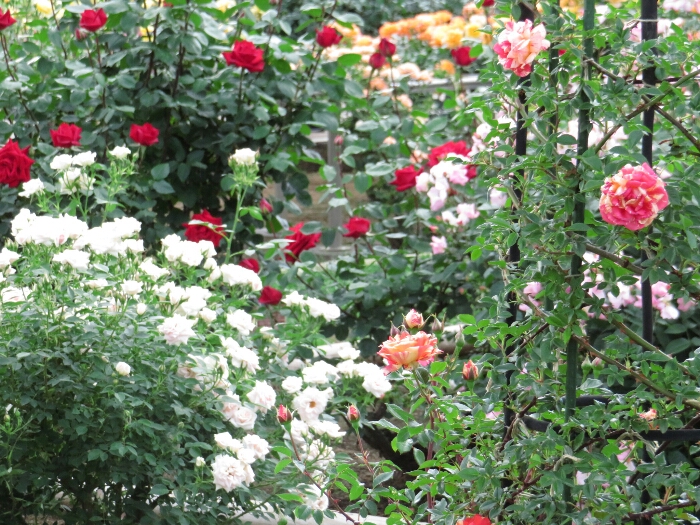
(633, 197)
(518, 46)
(438, 244)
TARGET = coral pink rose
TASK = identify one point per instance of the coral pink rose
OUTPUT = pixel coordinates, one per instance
(518, 46)
(409, 351)
(633, 197)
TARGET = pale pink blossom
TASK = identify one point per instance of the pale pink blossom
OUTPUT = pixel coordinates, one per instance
(633, 197)
(531, 290)
(438, 245)
(518, 46)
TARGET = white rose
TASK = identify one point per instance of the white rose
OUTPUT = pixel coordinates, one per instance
(263, 396)
(292, 384)
(328, 428)
(244, 157)
(141, 308)
(243, 418)
(207, 315)
(225, 440)
(96, 284)
(121, 152)
(246, 455)
(310, 404)
(31, 187)
(122, 368)
(177, 329)
(241, 321)
(229, 473)
(61, 162)
(74, 258)
(237, 275)
(84, 159)
(199, 462)
(257, 444)
(131, 288)
(376, 384)
(7, 257)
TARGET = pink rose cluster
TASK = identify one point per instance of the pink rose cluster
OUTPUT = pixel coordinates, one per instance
(628, 295)
(633, 197)
(436, 183)
(465, 213)
(519, 44)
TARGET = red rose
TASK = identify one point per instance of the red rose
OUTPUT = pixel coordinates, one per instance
(66, 135)
(357, 227)
(439, 153)
(202, 232)
(476, 519)
(300, 242)
(245, 55)
(488, 3)
(265, 206)
(405, 178)
(387, 48)
(270, 295)
(14, 164)
(562, 51)
(461, 56)
(327, 36)
(6, 19)
(251, 264)
(377, 60)
(92, 20)
(145, 135)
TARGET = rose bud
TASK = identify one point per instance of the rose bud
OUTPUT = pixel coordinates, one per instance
(353, 414)
(394, 331)
(265, 206)
(488, 3)
(437, 326)
(414, 319)
(470, 371)
(284, 416)
(387, 47)
(377, 60)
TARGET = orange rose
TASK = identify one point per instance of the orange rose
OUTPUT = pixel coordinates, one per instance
(409, 351)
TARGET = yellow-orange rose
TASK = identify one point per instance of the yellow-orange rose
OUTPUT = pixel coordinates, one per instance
(409, 351)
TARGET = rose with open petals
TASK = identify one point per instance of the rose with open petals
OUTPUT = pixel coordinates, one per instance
(327, 36)
(300, 242)
(405, 178)
(66, 135)
(93, 20)
(14, 164)
(211, 231)
(633, 197)
(246, 55)
(474, 520)
(519, 44)
(145, 135)
(357, 227)
(441, 152)
(462, 56)
(270, 295)
(409, 351)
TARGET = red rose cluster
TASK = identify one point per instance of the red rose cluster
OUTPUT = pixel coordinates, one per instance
(202, 232)
(246, 55)
(66, 135)
(300, 242)
(14, 164)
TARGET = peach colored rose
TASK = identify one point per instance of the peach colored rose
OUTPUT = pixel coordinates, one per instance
(633, 197)
(409, 351)
(518, 46)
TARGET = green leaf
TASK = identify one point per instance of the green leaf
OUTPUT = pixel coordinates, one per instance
(160, 171)
(163, 187)
(349, 60)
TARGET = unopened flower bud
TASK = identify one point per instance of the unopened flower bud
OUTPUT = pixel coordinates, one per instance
(284, 416)
(394, 331)
(470, 371)
(414, 319)
(338, 140)
(353, 414)
(141, 308)
(199, 462)
(437, 326)
(265, 206)
(597, 363)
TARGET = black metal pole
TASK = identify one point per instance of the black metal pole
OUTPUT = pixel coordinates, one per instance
(650, 31)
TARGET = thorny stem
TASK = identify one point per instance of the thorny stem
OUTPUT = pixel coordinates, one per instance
(369, 245)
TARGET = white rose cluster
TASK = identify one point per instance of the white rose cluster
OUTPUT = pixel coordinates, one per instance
(28, 228)
(315, 307)
(235, 275)
(72, 177)
(187, 252)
